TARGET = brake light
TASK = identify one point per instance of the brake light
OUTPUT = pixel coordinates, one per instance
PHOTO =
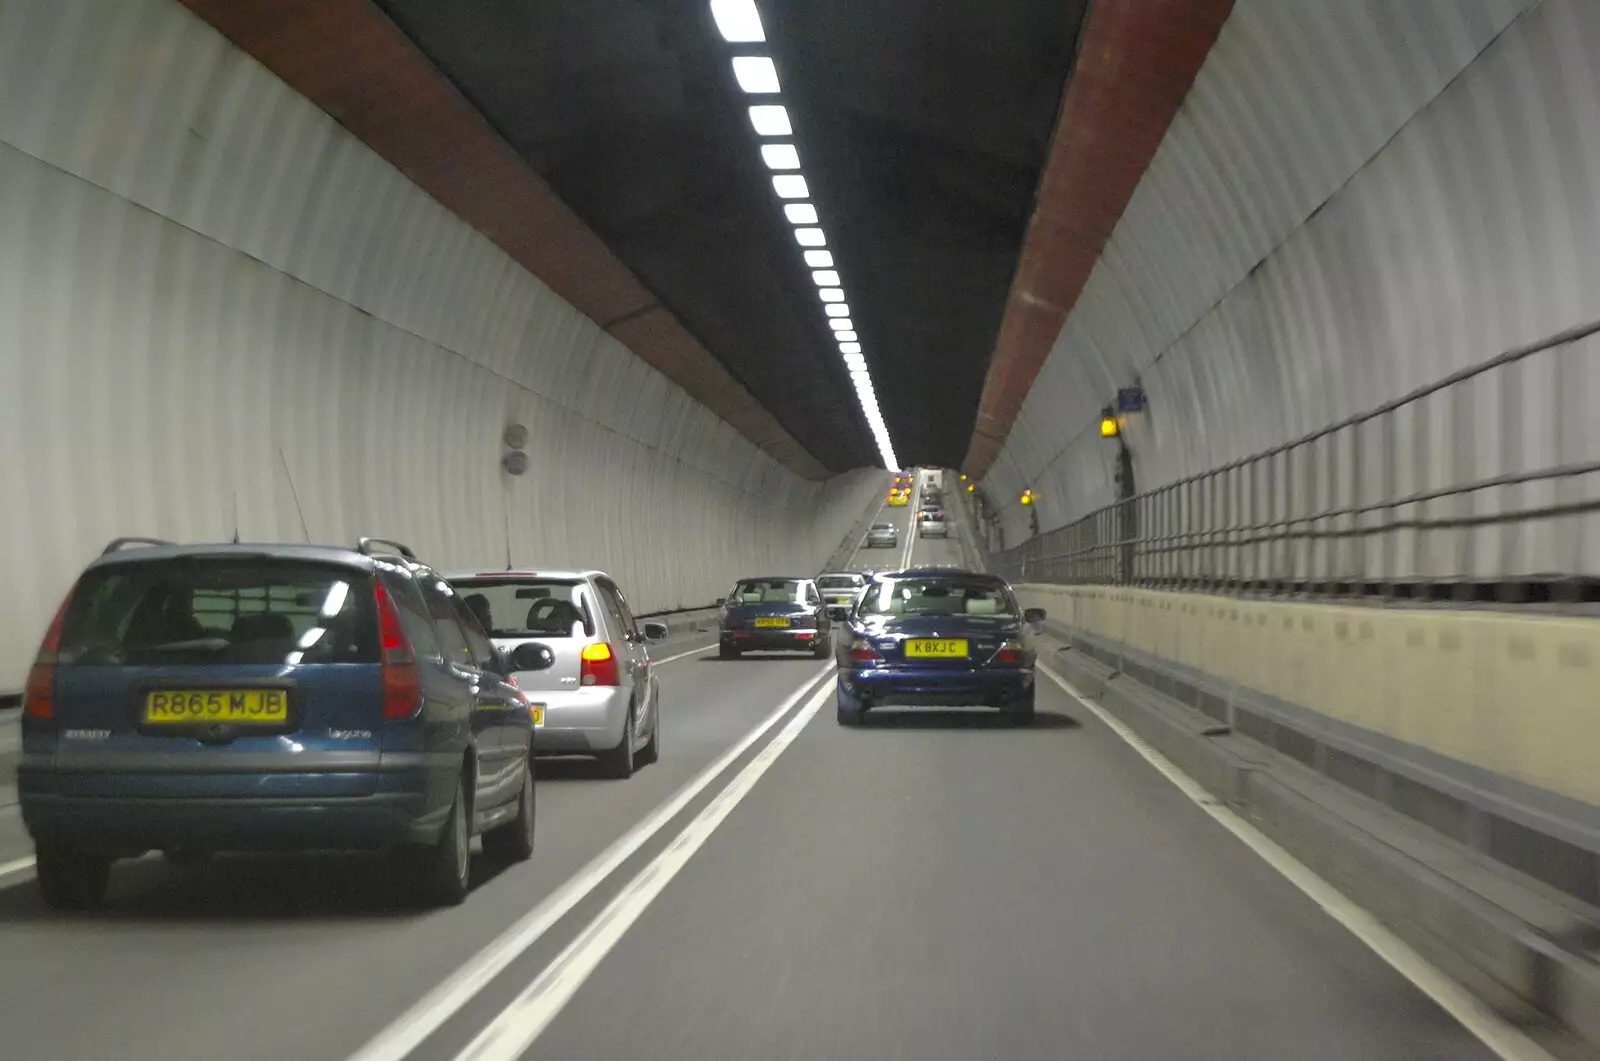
(1010, 652)
(38, 695)
(861, 651)
(598, 665)
(402, 681)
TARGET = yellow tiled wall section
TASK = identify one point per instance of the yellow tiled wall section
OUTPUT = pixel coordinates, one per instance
(1514, 694)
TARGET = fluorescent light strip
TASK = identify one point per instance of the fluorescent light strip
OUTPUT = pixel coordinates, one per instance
(841, 324)
(832, 294)
(738, 21)
(790, 186)
(755, 74)
(837, 309)
(849, 348)
(800, 213)
(810, 237)
(770, 119)
(819, 259)
(845, 337)
(824, 277)
(780, 156)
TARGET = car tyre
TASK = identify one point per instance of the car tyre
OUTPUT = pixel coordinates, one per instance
(651, 752)
(513, 841)
(446, 867)
(849, 711)
(1021, 712)
(823, 648)
(727, 652)
(618, 763)
(71, 879)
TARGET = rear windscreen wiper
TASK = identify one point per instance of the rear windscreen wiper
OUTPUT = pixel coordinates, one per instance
(197, 644)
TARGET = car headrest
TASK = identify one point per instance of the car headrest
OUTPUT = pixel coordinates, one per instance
(982, 606)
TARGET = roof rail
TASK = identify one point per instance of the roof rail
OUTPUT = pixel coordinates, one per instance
(365, 546)
(118, 543)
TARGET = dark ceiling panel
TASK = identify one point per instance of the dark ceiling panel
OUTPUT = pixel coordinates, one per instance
(350, 60)
(1139, 58)
(922, 128)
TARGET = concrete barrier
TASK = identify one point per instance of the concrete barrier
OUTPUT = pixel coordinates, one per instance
(1491, 881)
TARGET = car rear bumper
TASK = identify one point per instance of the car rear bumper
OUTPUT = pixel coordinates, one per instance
(771, 640)
(580, 721)
(128, 813)
(935, 687)
(933, 530)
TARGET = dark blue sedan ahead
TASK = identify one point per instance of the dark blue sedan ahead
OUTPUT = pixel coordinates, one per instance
(936, 637)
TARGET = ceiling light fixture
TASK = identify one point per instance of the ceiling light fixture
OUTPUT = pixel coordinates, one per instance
(841, 324)
(832, 294)
(849, 348)
(800, 213)
(770, 119)
(790, 186)
(837, 309)
(819, 259)
(810, 237)
(755, 74)
(738, 21)
(780, 156)
(846, 337)
(826, 278)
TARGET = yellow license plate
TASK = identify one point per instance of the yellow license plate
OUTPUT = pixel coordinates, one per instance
(936, 648)
(247, 706)
(537, 711)
(772, 622)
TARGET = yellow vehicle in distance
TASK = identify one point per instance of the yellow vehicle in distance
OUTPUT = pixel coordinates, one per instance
(900, 498)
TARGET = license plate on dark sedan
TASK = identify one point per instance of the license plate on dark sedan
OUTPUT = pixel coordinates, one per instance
(772, 621)
(936, 648)
(242, 706)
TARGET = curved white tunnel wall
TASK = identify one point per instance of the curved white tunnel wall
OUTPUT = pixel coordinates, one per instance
(1354, 200)
(220, 311)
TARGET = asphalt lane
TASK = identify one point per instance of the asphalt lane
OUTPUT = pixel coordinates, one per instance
(308, 958)
(937, 886)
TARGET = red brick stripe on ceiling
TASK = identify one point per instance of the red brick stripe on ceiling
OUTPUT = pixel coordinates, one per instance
(350, 60)
(1135, 64)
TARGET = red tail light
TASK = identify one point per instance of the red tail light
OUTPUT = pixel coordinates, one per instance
(861, 651)
(38, 696)
(598, 665)
(402, 681)
(1010, 652)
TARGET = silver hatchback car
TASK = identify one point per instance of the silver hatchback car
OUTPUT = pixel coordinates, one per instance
(579, 657)
(882, 535)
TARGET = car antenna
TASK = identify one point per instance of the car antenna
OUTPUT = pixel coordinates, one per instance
(236, 517)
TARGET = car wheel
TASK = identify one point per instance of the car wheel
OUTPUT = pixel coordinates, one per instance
(727, 652)
(447, 865)
(513, 841)
(849, 708)
(71, 879)
(651, 752)
(823, 648)
(618, 762)
(1020, 712)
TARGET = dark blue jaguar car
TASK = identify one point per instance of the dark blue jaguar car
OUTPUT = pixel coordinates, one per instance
(933, 637)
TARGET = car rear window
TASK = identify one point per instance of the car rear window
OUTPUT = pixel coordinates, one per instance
(192, 611)
(541, 607)
(841, 582)
(939, 595)
(767, 591)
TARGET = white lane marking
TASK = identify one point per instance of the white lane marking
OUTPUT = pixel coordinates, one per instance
(911, 520)
(424, 1018)
(16, 865)
(521, 1023)
(1471, 1012)
(683, 655)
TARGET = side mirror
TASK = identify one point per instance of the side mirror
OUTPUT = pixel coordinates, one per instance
(839, 613)
(721, 601)
(655, 631)
(531, 657)
(1033, 615)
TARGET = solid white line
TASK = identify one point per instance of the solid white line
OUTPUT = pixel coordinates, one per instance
(16, 865)
(683, 655)
(439, 1005)
(520, 1024)
(1473, 1014)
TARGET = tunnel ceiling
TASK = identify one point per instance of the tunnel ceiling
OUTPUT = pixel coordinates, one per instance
(922, 130)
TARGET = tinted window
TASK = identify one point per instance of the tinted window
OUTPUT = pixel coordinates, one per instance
(767, 591)
(527, 607)
(617, 604)
(202, 610)
(939, 595)
(811, 594)
(609, 604)
(478, 641)
(442, 609)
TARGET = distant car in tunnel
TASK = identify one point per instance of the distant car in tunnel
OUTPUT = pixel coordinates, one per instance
(931, 637)
(932, 524)
(596, 694)
(899, 498)
(207, 698)
(841, 587)
(774, 614)
(882, 536)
